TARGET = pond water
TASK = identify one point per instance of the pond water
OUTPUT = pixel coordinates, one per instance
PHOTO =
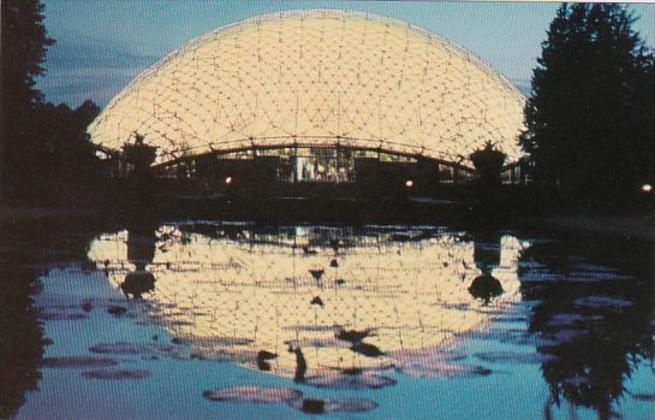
(230, 320)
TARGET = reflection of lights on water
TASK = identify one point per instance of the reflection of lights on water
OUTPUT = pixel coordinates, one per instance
(409, 183)
(646, 188)
(233, 299)
(228, 180)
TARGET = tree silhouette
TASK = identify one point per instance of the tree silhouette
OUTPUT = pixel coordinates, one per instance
(67, 158)
(592, 109)
(594, 333)
(488, 163)
(47, 157)
(28, 247)
(22, 340)
(24, 44)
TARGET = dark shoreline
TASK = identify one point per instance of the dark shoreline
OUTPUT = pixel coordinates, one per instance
(637, 226)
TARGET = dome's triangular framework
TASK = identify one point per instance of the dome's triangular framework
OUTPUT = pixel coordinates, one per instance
(317, 78)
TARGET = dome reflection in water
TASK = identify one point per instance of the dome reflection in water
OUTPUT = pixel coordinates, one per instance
(385, 297)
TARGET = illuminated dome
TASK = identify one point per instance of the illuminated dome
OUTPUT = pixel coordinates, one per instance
(317, 78)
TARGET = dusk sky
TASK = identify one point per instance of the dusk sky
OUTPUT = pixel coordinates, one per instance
(103, 44)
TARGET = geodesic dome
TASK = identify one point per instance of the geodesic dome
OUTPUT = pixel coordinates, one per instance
(317, 77)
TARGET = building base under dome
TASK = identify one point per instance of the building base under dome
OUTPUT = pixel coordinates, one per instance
(318, 182)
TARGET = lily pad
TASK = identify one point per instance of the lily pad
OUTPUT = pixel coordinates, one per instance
(511, 357)
(62, 316)
(644, 397)
(335, 405)
(73, 362)
(253, 394)
(116, 375)
(444, 370)
(338, 380)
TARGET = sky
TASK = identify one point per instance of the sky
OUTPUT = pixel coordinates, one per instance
(103, 44)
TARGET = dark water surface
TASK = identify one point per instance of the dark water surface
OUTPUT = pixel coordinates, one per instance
(224, 319)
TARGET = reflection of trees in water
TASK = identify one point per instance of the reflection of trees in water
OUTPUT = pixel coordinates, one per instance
(486, 254)
(141, 243)
(26, 247)
(593, 332)
(21, 336)
(485, 287)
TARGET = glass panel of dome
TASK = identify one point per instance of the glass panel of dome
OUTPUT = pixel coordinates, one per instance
(384, 81)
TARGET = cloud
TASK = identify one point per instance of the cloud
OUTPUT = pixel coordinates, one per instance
(75, 85)
(97, 70)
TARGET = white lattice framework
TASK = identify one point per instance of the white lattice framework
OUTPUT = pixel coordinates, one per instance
(317, 78)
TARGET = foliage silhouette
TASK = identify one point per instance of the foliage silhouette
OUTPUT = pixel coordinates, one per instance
(29, 246)
(591, 115)
(47, 157)
(488, 163)
(592, 333)
(21, 337)
(24, 43)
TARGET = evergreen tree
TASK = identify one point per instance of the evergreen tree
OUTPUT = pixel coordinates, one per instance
(590, 117)
(47, 157)
(24, 44)
(69, 157)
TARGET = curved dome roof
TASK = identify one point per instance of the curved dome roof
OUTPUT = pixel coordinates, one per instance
(317, 77)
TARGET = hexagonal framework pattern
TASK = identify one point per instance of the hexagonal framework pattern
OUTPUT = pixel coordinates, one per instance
(317, 77)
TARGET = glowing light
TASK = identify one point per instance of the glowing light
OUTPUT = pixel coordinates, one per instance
(409, 183)
(334, 78)
(647, 188)
(228, 180)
